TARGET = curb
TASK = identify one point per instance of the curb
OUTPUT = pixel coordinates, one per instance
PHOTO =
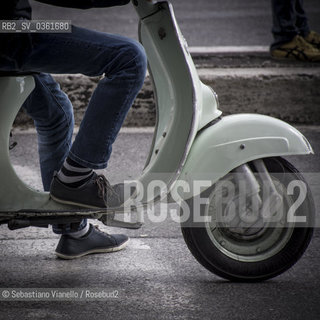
(246, 79)
(289, 94)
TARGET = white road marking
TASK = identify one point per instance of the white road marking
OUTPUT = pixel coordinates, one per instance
(138, 244)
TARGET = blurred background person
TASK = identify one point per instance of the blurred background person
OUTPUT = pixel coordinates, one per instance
(293, 38)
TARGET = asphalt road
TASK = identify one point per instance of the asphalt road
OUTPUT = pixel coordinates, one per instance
(155, 277)
(203, 22)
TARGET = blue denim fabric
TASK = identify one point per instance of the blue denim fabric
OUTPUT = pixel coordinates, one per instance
(123, 63)
(52, 112)
(289, 19)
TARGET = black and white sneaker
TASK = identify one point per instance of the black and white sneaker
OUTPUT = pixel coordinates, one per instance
(95, 241)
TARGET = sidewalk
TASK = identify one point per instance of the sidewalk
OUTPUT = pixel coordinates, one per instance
(246, 79)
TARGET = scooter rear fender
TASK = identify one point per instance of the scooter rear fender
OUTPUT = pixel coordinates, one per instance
(235, 140)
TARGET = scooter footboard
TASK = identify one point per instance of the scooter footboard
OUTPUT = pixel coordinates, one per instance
(235, 140)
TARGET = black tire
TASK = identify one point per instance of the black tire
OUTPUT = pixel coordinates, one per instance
(215, 260)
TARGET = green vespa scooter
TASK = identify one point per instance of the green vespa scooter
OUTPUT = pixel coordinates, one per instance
(245, 236)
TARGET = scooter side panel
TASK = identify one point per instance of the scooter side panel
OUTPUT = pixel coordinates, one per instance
(15, 195)
(238, 139)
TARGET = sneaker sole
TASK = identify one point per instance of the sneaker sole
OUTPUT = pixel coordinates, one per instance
(83, 205)
(288, 58)
(107, 250)
(292, 58)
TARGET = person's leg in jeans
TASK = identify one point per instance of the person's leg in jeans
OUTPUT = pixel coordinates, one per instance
(284, 21)
(52, 112)
(123, 62)
(312, 37)
(302, 24)
(290, 30)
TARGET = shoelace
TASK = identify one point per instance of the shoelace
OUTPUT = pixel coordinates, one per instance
(105, 188)
(100, 231)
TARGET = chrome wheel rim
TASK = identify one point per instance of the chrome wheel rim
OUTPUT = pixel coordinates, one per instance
(243, 241)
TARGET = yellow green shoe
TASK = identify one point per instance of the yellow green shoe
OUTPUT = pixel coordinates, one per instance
(297, 49)
(314, 39)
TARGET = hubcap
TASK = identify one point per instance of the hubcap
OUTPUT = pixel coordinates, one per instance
(237, 229)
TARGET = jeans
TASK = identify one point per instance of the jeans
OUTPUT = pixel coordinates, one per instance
(289, 20)
(123, 63)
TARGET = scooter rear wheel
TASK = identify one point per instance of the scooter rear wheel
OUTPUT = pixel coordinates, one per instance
(264, 252)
